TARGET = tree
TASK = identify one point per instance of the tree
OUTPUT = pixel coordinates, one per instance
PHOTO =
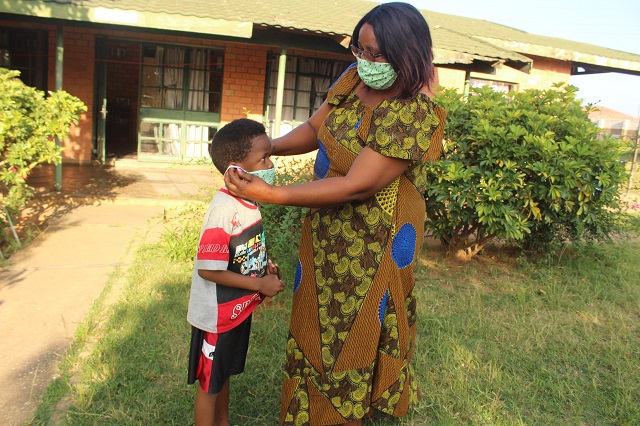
(525, 166)
(28, 124)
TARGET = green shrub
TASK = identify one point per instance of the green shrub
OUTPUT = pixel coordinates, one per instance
(28, 124)
(524, 166)
(283, 224)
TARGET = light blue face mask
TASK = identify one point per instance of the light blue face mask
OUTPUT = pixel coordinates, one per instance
(267, 175)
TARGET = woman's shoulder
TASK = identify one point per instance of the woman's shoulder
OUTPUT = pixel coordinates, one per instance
(344, 85)
(419, 106)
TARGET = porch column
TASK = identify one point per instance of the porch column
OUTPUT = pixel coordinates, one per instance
(282, 68)
(467, 83)
(59, 65)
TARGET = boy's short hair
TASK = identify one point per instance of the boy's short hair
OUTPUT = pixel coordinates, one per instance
(233, 142)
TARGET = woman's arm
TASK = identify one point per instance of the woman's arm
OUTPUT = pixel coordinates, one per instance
(369, 173)
(269, 285)
(303, 138)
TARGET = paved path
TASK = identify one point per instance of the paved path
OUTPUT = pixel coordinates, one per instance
(46, 290)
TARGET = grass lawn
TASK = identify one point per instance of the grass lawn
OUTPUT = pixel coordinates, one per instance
(502, 340)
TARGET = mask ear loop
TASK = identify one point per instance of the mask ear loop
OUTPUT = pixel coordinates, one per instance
(234, 167)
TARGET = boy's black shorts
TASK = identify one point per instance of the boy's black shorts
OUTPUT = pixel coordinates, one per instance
(213, 358)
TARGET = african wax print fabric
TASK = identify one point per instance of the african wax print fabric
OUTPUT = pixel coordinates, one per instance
(353, 322)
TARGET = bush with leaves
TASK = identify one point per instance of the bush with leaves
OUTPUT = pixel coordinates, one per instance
(283, 224)
(29, 121)
(524, 166)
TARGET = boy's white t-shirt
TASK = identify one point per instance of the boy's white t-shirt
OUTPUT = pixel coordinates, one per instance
(232, 238)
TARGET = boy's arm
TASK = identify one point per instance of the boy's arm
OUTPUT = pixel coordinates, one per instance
(269, 285)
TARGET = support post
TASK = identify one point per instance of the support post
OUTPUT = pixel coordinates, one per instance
(59, 69)
(467, 83)
(635, 156)
(282, 68)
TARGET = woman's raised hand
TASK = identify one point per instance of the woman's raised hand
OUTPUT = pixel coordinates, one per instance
(244, 185)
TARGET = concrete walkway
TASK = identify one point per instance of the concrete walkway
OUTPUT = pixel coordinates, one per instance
(94, 226)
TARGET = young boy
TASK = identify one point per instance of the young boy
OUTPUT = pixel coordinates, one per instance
(231, 274)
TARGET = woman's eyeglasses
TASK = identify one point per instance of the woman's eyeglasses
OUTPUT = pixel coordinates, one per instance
(364, 54)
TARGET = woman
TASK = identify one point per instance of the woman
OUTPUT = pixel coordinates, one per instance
(352, 329)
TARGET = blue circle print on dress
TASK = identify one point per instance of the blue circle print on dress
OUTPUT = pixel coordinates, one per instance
(404, 246)
(383, 306)
(321, 168)
(298, 277)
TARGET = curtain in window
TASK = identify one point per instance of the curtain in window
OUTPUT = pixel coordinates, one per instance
(199, 81)
(173, 83)
(322, 82)
(173, 77)
(198, 100)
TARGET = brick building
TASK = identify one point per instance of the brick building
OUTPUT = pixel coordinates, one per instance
(160, 77)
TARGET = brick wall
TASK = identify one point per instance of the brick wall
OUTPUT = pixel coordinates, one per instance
(78, 78)
(245, 70)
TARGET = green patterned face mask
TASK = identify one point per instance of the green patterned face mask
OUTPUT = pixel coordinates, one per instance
(377, 75)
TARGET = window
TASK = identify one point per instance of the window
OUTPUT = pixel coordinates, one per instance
(180, 99)
(498, 86)
(306, 84)
(25, 51)
(169, 82)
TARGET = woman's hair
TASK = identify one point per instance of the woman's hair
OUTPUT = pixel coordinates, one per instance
(233, 142)
(404, 38)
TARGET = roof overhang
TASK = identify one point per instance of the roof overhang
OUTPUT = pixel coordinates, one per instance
(592, 63)
(133, 18)
(453, 48)
(477, 63)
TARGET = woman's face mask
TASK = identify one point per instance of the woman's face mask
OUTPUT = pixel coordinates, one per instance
(267, 175)
(377, 75)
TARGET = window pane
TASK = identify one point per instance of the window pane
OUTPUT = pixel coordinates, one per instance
(149, 147)
(216, 82)
(303, 99)
(149, 130)
(171, 139)
(304, 83)
(151, 76)
(173, 99)
(289, 97)
(302, 114)
(198, 139)
(215, 102)
(151, 98)
(287, 113)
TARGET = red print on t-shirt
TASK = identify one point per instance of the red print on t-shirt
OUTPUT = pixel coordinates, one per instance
(235, 221)
(214, 245)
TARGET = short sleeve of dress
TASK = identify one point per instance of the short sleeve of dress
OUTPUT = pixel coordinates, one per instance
(343, 86)
(407, 128)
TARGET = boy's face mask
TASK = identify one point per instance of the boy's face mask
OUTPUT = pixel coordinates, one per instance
(267, 175)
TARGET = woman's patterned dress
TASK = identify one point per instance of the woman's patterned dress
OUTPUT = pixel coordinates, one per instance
(352, 330)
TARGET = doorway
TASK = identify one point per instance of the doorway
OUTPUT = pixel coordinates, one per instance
(123, 85)
(156, 102)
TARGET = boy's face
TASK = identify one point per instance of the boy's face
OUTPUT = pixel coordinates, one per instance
(259, 156)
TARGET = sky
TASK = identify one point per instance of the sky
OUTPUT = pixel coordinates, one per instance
(611, 23)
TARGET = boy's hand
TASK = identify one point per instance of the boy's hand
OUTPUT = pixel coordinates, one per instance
(272, 268)
(270, 285)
